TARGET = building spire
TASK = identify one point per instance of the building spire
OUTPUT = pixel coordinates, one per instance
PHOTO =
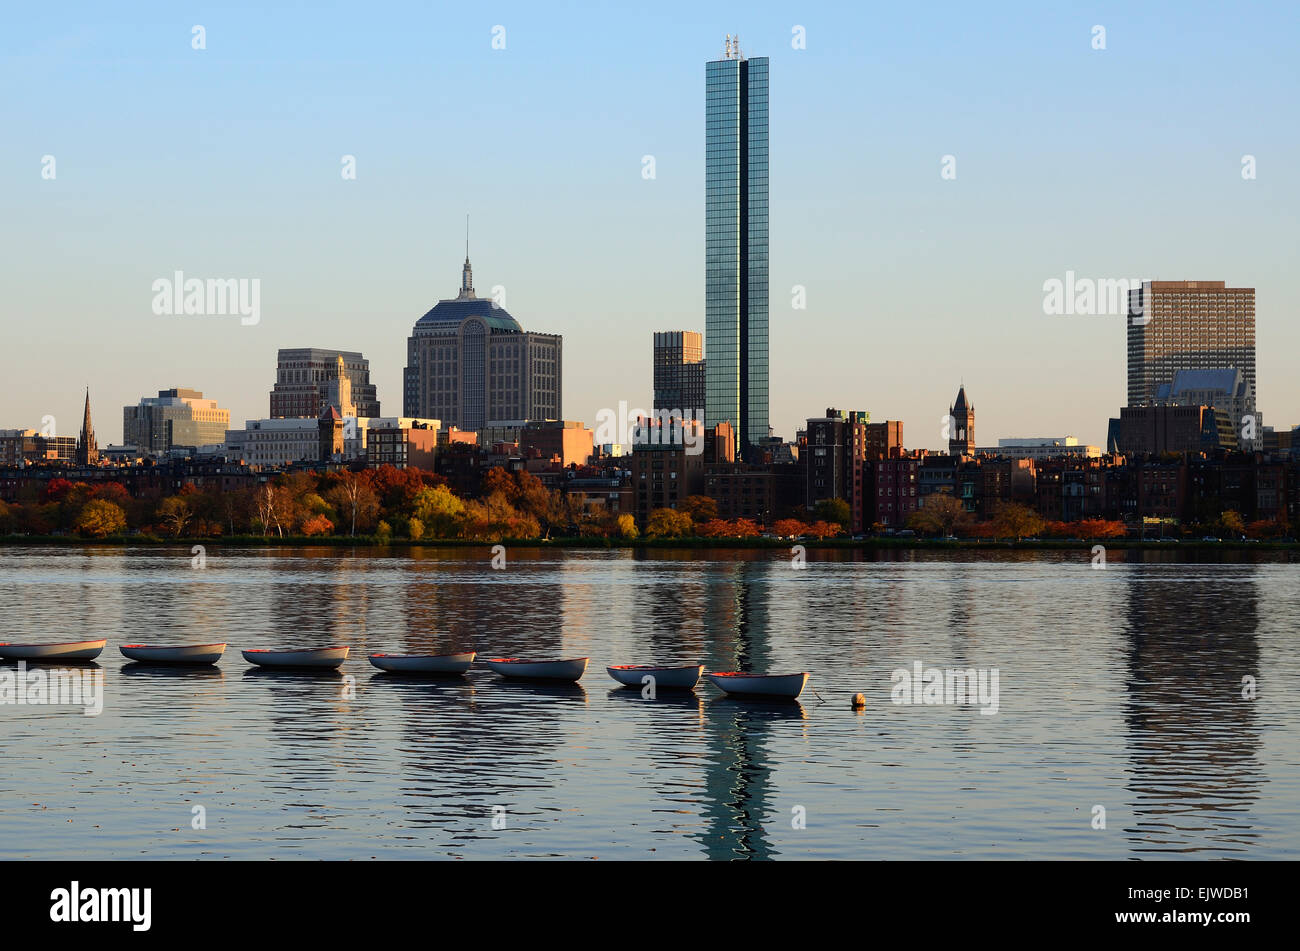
(467, 273)
(87, 450)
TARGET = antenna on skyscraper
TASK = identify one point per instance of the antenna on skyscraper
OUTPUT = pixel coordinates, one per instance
(467, 236)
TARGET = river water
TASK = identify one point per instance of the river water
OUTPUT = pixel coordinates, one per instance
(1148, 710)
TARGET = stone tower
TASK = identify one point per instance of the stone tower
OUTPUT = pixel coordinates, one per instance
(961, 426)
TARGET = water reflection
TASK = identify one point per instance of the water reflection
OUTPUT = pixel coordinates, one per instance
(1193, 741)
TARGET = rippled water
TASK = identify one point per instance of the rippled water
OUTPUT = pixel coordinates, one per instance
(1119, 688)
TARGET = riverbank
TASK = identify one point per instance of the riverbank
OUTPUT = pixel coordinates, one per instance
(879, 542)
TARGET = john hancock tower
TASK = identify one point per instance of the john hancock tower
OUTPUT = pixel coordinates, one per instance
(735, 247)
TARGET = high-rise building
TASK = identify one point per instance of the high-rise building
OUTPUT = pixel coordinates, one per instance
(87, 449)
(470, 364)
(679, 372)
(1187, 325)
(175, 417)
(736, 246)
(307, 382)
(961, 426)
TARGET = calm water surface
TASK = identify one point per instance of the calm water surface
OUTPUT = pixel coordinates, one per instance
(1120, 687)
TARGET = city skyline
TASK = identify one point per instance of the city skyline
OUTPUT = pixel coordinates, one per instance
(865, 231)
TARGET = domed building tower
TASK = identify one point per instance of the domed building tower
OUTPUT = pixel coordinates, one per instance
(961, 434)
(470, 364)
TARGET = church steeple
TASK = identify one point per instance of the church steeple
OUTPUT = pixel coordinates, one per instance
(87, 449)
(961, 423)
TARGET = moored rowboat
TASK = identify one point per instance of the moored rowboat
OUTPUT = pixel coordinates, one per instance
(677, 678)
(186, 654)
(424, 663)
(571, 669)
(745, 684)
(305, 657)
(66, 650)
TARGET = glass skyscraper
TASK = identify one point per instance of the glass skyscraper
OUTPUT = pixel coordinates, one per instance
(735, 247)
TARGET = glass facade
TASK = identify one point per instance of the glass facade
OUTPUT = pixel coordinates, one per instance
(736, 263)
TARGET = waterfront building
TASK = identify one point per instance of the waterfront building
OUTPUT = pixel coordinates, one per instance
(663, 475)
(834, 461)
(736, 246)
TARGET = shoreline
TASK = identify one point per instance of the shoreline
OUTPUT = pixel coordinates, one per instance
(371, 541)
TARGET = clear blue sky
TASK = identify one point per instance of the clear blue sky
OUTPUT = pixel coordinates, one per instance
(224, 162)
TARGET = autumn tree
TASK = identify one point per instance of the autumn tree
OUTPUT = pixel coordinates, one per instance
(700, 508)
(668, 523)
(1017, 521)
(99, 518)
(175, 513)
(789, 527)
(354, 500)
(946, 511)
(440, 512)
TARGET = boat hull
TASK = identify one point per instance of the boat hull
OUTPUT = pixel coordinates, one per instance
(741, 684)
(187, 654)
(568, 670)
(68, 650)
(424, 663)
(673, 678)
(318, 657)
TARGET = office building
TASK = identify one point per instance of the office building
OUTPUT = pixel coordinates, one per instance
(736, 246)
(679, 372)
(174, 418)
(309, 379)
(1187, 325)
(471, 365)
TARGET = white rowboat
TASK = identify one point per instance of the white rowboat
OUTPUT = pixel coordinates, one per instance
(745, 684)
(67, 650)
(572, 669)
(187, 654)
(676, 678)
(306, 657)
(424, 663)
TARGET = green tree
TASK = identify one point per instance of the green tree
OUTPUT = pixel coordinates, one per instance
(833, 510)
